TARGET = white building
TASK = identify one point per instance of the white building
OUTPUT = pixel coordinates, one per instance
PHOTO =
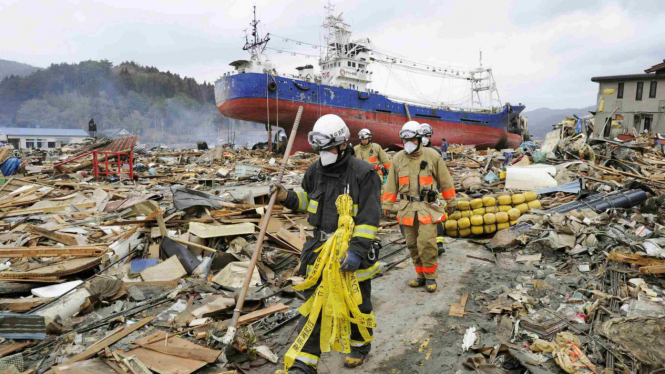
(22, 138)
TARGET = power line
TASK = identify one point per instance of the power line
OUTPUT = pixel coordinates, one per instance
(291, 52)
(298, 42)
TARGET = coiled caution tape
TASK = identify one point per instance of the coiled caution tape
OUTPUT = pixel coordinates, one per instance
(337, 297)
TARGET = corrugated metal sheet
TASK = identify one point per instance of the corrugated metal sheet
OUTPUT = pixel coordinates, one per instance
(122, 144)
(22, 326)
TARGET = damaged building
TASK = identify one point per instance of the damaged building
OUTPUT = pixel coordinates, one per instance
(631, 102)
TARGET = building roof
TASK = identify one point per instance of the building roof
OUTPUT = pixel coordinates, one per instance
(37, 132)
(627, 77)
(658, 68)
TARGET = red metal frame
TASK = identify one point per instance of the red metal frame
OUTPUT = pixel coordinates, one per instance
(107, 170)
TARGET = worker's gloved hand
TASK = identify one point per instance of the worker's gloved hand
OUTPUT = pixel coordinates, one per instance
(386, 213)
(280, 190)
(384, 170)
(350, 262)
(376, 167)
(451, 206)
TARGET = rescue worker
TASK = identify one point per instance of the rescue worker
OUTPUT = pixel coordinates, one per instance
(372, 152)
(417, 176)
(335, 172)
(426, 131)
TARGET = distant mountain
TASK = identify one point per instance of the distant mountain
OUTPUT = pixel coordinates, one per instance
(8, 68)
(542, 119)
(160, 106)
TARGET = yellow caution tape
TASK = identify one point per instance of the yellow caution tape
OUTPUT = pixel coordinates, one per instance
(337, 297)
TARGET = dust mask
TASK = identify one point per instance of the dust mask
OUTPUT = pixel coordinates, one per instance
(328, 158)
(425, 141)
(410, 147)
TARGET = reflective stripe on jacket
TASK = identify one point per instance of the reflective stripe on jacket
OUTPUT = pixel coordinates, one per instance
(322, 186)
(409, 175)
(372, 153)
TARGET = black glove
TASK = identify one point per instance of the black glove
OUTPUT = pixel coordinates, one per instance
(350, 262)
(280, 190)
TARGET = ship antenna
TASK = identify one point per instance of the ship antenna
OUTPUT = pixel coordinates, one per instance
(258, 45)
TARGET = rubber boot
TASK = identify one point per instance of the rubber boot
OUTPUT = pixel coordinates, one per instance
(354, 359)
(295, 370)
(430, 285)
(300, 368)
(441, 249)
(419, 282)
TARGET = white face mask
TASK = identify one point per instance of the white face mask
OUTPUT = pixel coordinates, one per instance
(425, 141)
(328, 158)
(409, 147)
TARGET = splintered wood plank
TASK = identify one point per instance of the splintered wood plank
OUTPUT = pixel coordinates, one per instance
(161, 224)
(153, 250)
(258, 314)
(457, 309)
(659, 269)
(85, 367)
(75, 251)
(291, 238)
(109, 340)
(180, 348)
(163, 363)
(58, 237)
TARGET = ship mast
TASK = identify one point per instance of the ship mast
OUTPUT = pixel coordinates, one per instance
(257, 45)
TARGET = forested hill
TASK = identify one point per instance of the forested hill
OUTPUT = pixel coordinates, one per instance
(159, 106)
(8, 68)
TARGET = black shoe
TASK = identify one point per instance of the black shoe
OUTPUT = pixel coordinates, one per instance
(441, 249)
(430, 285)
(419, 282)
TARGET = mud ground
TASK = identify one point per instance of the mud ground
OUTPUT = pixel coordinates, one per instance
(414, 332)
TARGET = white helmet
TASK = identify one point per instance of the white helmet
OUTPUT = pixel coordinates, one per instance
(410, 130)
(426, 130)
(364, 134)
(329, 131)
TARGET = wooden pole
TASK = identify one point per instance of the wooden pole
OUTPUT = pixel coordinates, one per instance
(262, 234)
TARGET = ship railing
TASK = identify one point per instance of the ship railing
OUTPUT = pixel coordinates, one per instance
(443, 106)
(278, 74)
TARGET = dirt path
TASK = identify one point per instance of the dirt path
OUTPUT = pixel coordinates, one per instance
(411, 335)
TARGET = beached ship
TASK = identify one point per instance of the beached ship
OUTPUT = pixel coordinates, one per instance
(254, 91)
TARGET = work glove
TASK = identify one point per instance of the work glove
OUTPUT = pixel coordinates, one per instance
(384, 170)
(451, 206)
(386, 213)
(350, 261)
(376, 167)
(280, 190)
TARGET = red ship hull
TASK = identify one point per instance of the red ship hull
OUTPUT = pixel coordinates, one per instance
(384, 126)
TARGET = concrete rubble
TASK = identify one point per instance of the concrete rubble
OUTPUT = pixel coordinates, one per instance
(137, 270)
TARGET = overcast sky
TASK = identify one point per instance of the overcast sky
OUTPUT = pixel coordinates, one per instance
(543, 53)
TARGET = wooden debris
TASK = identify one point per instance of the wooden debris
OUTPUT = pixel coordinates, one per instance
(457, 309)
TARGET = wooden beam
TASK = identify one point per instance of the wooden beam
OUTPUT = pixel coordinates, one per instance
(74, 251)
(49, 209)
(58, 237)
(162, 225)
(203, 247)
(258, 314)
(635, 259)
(658, 269)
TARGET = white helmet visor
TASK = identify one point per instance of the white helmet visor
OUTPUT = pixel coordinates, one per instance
(320, 141)
(408, 134)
